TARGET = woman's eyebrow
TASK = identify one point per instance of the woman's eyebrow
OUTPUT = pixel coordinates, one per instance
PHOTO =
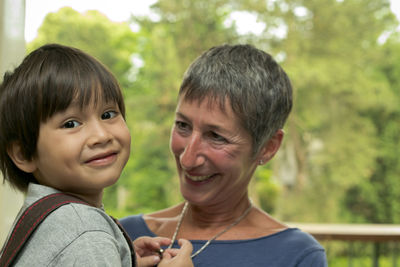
(179, 114)
(212, 127)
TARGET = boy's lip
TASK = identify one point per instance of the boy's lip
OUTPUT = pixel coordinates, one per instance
(101, 156)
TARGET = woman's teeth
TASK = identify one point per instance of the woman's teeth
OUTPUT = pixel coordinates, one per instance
(198, 178)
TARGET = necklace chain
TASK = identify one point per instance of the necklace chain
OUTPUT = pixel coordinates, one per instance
(183, 212)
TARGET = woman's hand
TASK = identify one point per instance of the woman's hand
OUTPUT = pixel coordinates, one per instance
(178, 257)
(146, 250)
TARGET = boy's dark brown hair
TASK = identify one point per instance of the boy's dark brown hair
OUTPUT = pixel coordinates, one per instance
(46, 82)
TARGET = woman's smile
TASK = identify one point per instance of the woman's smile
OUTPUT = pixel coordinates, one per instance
(199, 178)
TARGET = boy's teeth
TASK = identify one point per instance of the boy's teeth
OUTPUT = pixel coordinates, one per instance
(198, 178)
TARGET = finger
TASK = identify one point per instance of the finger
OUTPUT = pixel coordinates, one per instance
(167, 255)
(146, 246)
(162, 241)
(186, 246)
(156, 242)
(172, 252)
(140, 242)
(148, 261)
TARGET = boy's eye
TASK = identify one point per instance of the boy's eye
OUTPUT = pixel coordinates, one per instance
(71, 124)
(108, 115)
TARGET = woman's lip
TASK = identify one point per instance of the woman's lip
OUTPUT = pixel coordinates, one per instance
(199, 183)
(198, 179)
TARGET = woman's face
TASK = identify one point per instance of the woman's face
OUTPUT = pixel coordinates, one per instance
(212, 152)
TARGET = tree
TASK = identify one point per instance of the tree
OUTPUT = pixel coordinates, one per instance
(339, 157)
(333, 141)
(110, 42)
(166, 47)
(376, 200)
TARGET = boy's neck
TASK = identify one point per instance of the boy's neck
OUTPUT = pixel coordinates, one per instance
(95, 200)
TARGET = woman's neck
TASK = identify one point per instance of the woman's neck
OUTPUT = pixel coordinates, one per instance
(216, 215)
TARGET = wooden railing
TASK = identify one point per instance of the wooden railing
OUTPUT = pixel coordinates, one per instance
(375, 233)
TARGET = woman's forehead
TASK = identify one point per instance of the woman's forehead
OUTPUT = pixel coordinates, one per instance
(210, 102)
(207, 106)
(208, 113)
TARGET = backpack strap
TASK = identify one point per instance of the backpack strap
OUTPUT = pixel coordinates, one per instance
(30, 220)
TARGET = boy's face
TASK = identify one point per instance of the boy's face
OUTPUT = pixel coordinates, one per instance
(83, 151)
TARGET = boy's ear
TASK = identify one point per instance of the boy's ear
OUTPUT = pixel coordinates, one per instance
(271, 147)
(15, 153)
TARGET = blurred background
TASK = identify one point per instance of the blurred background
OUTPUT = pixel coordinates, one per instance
(339, 162)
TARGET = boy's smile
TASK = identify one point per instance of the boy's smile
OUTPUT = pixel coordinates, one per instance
(82, 151)
(102, 159)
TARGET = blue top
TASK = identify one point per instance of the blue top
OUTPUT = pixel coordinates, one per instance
(288, 248)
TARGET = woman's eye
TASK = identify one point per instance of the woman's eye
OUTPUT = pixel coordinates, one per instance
(108, 115)
(71, 124)
(216, 137)
(181, 125)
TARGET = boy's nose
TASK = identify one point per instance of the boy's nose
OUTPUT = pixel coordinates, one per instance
(98, 134)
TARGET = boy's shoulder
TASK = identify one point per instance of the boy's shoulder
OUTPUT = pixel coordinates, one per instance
(75, 217)
(79, 218)
(71, 230)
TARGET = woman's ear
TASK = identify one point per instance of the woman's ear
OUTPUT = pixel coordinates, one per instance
(15, 153)
(270, 147)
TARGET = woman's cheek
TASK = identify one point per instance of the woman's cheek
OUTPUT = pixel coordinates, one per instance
(176, 143)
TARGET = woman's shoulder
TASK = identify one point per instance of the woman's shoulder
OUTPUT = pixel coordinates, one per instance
(136, 226)
(289, 247)
(261, 224)
(133, 221)
(150, 224)
(301, 247)
(281, 232)
(297, 238)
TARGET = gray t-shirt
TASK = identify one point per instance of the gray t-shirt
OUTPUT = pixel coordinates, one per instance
(73, 235)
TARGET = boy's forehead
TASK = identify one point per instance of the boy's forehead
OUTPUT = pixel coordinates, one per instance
(93, 96)
(93, 102)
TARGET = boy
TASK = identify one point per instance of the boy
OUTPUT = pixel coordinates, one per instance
(62, 121)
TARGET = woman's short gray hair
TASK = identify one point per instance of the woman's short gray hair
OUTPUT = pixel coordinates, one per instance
(258, 89)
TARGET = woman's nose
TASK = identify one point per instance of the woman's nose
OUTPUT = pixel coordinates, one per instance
(192, 156)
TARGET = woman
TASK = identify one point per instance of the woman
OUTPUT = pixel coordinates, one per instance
(233, 103)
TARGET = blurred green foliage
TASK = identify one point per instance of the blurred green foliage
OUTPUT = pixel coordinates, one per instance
(339, 161)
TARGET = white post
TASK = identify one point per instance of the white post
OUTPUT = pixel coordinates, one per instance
(12, 51)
